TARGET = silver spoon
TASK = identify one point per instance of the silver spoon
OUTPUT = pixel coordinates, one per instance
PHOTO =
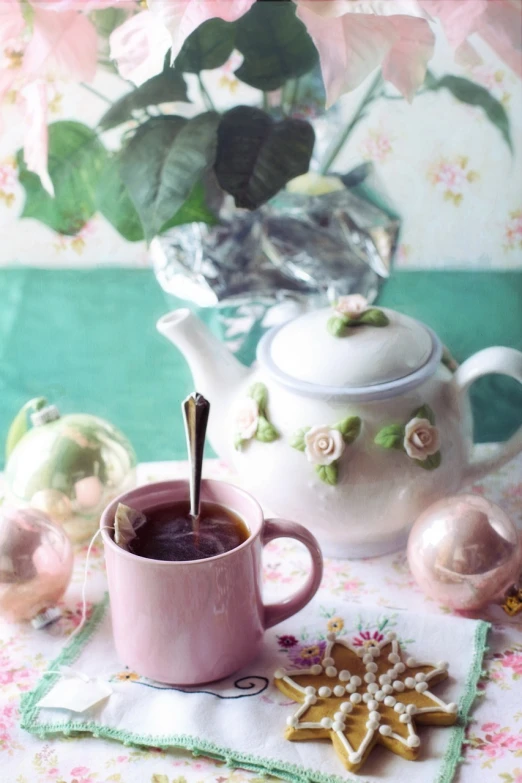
(195, 413)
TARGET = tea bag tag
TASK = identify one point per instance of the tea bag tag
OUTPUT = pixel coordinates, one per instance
(76, 692)
(126, 521)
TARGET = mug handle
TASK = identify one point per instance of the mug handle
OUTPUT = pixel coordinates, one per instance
(282, 528)
(503, 361)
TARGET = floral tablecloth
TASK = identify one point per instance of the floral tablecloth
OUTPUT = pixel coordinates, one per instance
(493, 750)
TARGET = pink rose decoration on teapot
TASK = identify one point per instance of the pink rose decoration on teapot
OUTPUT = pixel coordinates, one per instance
(353, 305)
(324, 445)
(421, 439)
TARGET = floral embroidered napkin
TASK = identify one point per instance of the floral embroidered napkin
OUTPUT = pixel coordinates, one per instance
(243, 719)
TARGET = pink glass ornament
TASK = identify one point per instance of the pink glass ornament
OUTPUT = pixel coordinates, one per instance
(464, 552)
(36, 562)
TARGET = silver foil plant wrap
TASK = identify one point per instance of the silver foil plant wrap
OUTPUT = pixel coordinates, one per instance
(257, 269)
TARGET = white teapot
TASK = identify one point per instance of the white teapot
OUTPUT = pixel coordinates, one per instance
(349, 422)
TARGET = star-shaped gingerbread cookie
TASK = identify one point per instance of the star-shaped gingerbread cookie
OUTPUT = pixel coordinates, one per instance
(362, 696)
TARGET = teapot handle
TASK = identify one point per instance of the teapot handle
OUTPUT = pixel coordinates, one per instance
(502, 361)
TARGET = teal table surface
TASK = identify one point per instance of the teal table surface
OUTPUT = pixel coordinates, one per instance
(87, 341)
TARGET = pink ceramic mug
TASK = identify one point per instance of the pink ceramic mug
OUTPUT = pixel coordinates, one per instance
(186, 623)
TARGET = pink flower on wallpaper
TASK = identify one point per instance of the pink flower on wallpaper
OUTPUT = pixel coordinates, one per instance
(493, 79)
(513, 231)
(452, 177)
(8, 181)
(227, 80)
(376, 146)
(75, 243)
(403, 254)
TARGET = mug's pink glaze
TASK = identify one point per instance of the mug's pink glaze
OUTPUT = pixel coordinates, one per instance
(187, 623)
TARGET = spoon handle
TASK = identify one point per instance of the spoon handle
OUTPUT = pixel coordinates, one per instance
(195, 412)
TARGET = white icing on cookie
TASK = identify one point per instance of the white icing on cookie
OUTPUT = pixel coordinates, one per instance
(378, 692)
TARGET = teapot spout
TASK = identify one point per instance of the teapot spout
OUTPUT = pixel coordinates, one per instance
(216, 372)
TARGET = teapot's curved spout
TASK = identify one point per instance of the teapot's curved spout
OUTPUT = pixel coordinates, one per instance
(215, 370)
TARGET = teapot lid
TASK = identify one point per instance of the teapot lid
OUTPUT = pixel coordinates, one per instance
(377, 354)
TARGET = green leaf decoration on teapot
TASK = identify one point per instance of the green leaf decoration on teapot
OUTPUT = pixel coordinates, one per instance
(353, 311)
(419, 438)
(324, 445)
(252, 420)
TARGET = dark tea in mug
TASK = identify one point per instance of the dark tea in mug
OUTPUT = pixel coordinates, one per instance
(169, 533)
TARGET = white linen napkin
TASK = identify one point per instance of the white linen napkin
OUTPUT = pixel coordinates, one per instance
(242, 719)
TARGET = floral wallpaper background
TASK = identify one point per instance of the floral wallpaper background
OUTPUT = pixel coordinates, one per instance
(444, 166)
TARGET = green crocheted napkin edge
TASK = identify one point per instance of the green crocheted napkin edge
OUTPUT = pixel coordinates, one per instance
(197, 746)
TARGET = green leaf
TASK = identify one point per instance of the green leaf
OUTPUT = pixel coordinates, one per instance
(373, 317)
(19, 425)
(165, 87)
(328, 473)
(297, 441)
(194, 210)
(430, 463)
(163, 162)
(275, 46)
(238, 442)
(336, 325)
(209, 46)
(256, 156)
(424, 412)
(266, 432)
(159, 778)
(259, 393)
(390, 437)
(106, 20)
(115, 204)
(77, 160)
(474, 94)
(349, 428)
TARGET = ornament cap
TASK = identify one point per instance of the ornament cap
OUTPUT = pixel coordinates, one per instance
(45, 415)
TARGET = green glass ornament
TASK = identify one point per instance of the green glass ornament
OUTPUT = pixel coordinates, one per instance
(70, 467)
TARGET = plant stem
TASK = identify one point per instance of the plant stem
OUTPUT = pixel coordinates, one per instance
(95, 92)
(293, 97)
(205, 94)
(341, 141)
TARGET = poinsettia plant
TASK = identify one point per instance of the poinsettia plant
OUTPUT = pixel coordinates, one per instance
(175, 162)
